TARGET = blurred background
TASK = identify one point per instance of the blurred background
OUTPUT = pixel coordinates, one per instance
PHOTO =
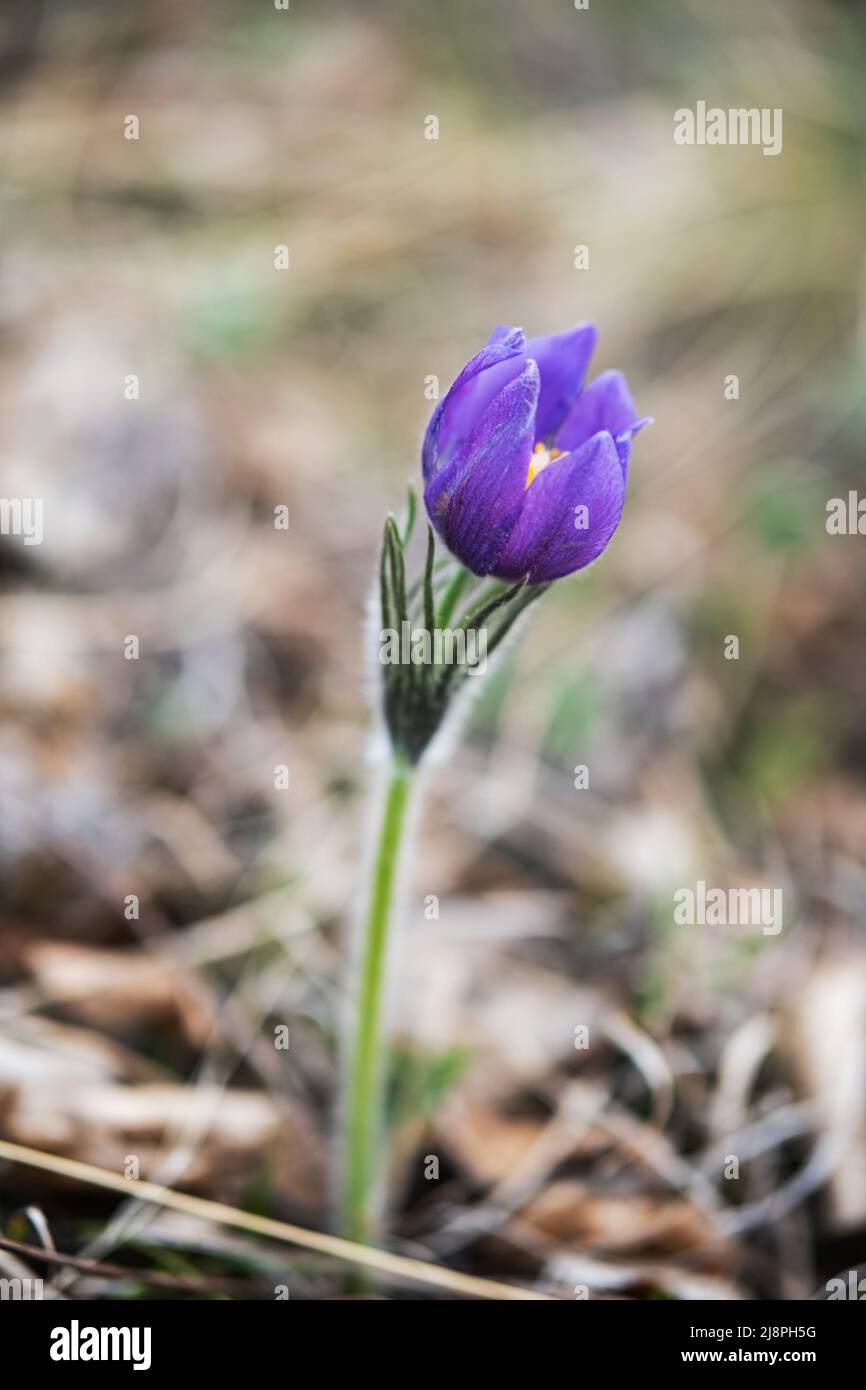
(165, 909)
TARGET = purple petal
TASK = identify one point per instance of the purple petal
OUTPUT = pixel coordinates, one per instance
(606, 404)
(546, 543)
(623, 441)
(501, 333)
(469, 395)
(562, 360)
(475, 500)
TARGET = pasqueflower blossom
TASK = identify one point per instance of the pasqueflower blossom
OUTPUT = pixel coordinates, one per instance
(524, 480)
(524, 469)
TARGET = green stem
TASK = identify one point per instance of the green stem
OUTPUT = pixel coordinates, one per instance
(365, 1088)
(461, 578)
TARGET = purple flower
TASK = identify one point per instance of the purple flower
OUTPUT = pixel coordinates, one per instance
(524, 470)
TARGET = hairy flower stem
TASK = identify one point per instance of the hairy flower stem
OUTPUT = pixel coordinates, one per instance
(364, 1099)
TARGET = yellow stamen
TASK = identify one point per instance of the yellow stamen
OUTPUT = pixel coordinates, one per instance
(541, 457)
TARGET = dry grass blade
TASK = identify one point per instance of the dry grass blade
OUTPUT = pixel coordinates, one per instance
(382, 1261)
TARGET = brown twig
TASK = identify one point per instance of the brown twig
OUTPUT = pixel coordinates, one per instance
(141, 1276)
